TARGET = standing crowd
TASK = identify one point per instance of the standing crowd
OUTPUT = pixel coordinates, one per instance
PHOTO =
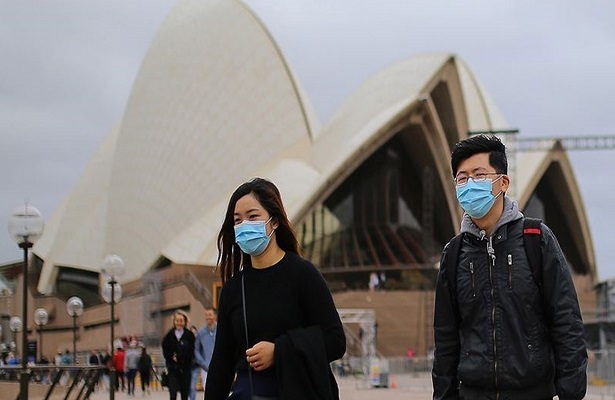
(127, 365)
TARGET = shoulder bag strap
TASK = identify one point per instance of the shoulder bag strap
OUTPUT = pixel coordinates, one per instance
(245, 325)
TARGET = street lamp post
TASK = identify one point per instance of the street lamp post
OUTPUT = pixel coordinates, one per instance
(74, 306)
(41, 317)
(25, 227)
(112, 267)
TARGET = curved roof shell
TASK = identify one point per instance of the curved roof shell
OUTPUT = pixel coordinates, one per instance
(216, 103)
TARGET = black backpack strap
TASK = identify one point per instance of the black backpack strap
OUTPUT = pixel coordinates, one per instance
(450, 259)
(532, 232)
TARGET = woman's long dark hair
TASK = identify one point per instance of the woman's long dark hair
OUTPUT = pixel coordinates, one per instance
(230, 257)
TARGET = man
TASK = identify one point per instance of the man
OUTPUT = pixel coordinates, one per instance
(500, 334)
(107, 362)
(204, 343)
(94, 360)
(131, 364)
(67, 358)
(118, 364)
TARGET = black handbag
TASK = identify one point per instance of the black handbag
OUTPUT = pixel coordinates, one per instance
(164, 379)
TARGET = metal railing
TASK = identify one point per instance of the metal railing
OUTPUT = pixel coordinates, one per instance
(72, 382)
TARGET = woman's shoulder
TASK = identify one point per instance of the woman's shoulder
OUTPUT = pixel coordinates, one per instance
(300, 264)
(233, 282)
(167, 335)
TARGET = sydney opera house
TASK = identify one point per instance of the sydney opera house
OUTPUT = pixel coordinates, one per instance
(216, 103)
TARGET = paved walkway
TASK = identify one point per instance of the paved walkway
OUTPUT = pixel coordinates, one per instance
(414, 387)
(401, 387)
(407, 387)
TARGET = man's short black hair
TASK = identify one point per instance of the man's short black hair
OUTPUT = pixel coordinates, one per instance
(491, 144)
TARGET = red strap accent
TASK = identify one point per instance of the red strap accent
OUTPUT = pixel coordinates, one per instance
(531, 231)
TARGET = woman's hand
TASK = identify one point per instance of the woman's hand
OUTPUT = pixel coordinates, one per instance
(260, 356)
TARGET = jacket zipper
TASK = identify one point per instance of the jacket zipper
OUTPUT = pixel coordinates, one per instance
(491, 253)
(510, 267)
(473, 281)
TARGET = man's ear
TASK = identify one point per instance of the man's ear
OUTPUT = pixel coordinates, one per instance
(505, 183)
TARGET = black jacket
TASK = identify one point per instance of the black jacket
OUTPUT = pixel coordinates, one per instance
(497, 332)
(183, 348)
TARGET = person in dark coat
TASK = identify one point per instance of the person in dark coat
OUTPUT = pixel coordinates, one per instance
(501, 333)
(145, 370)
(178, 352)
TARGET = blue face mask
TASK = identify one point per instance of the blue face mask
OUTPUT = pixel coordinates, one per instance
(476, 198)
(251, 237)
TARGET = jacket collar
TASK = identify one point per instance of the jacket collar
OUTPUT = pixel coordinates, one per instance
(511, 213)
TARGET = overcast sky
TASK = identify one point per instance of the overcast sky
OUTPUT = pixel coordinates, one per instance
(67, 67)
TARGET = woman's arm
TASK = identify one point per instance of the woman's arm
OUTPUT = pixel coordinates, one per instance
(320, 310)
(167, 351)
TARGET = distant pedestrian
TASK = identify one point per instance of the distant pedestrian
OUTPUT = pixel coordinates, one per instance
(373, 282)
(178, 352)
(118, 363)
(107, 362)
(131, 365)
(194, 370)
(145, 370)
(205, 342)
(67, 358)
(94, 361)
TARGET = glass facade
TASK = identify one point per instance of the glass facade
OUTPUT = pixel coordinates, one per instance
(375, 222)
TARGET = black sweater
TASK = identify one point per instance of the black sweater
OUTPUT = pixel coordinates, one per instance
(288, 295)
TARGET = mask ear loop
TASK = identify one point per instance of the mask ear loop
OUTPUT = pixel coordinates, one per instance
(501, 191)
(272, 229)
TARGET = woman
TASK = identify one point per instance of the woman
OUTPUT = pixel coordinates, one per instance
(289, 310)
(178, 352)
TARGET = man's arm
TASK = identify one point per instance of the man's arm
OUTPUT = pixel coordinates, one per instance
(563, 317)
(199, 349)
(446, 337)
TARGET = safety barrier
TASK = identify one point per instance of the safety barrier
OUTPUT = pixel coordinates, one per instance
(70, 382)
